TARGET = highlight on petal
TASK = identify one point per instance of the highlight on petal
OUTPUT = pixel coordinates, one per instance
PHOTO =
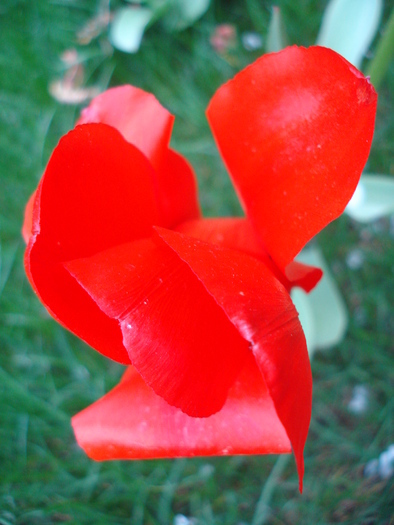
(132, 422)
(176, 335)
(137, 115)
(294, 130)
(97, 191)
(262, 311)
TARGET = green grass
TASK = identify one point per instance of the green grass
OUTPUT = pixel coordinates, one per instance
(47, 375)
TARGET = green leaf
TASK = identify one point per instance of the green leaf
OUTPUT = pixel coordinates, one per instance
(276, 37)
(128, 26)
(322, 312)
(349, 27)
(373, 198)
(184, 13)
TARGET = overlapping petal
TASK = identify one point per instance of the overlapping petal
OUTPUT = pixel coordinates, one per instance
(239, 234)
(118, 253)
(146, 124)
(294, 130)
(97, 192)
(137, 115)
(262, 311)
(132, 422)
(176, 336)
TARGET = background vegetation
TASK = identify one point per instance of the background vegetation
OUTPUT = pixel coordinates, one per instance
(47, 375)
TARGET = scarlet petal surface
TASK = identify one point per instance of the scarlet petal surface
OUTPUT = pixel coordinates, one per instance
(176, 190)
(176, 335)
(262, 310)
(302, 275)
(97, 192)
(239, 234)
(137, 115)
(132, 422)
(294, 129)
(146, 124)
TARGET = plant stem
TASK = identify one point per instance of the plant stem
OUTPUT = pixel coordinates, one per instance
(262, 508)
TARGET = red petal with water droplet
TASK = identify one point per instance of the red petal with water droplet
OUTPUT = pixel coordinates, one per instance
(176, 335)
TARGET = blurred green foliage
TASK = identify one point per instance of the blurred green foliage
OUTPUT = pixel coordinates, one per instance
(46, 374)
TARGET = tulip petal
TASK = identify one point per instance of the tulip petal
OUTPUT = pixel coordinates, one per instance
(137, 115)
(239, 234)
(177, 337)
(302, 275)
(146, 124)
(262, 310)
(97, 191)
(176, 190)
(132, 422)
(294, 130)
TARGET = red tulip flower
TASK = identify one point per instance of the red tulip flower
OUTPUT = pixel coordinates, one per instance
(199, 308)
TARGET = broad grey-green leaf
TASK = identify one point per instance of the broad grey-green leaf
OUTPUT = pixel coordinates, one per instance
(322, 310)
(192, 11)
(128, 26)
(373, 198)
(184, 13)
(303, 306)
(276, 37)
(349, 27)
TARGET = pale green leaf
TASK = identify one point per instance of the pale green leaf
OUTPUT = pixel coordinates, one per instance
(185, 12)
(349, 27)
(303, 305)
(323, 313)
(373, 198)
(128, 26)
(276, 37)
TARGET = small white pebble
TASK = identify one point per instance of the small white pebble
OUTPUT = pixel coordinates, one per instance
(180, 519)
(383, 466)
(355, 259)
(386, 463)
(252, 41)
(359, 402)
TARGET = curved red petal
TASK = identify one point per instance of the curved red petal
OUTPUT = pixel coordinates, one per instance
(302, 275)
(262, 310)
(239, 234)
(294, 130)
(177, 190)
(146, 124)
(132, 422)
(177, 337)
(97, 191)
(137, 115)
